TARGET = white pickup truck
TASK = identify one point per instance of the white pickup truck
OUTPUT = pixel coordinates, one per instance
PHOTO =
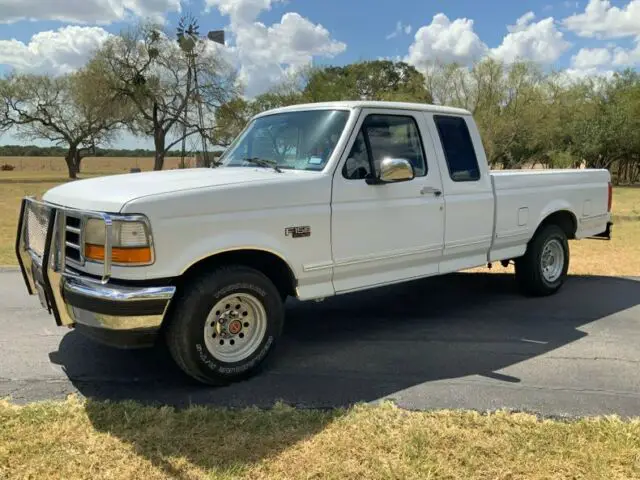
(309, 201)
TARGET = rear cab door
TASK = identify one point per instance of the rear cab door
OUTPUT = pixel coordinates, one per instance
(468, 192)
(392, 232)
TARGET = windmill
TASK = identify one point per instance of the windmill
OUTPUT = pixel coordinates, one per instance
(188, 36)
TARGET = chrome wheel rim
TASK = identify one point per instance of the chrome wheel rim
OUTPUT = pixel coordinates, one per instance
(235, 327)
(552, 260)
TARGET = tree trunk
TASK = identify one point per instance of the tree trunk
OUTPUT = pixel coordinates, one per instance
(70, 158)
(77, 159)
(159, 142)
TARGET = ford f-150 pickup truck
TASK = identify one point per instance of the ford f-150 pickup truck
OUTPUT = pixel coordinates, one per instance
(308, 201)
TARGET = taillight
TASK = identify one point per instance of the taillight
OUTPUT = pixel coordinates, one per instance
(610, 200)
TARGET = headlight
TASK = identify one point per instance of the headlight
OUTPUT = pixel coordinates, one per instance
(130, 242)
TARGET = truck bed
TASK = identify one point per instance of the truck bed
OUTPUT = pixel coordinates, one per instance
(525, 197)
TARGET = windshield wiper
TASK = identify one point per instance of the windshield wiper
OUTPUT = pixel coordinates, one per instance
(263, 163)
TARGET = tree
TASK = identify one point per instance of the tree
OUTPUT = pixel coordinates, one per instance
(73, 110)
(370, 80)
(232, 116)
(374, 80)
(506, 101)
(527, 117)
(145, 67)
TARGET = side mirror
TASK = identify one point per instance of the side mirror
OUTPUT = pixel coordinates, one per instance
(393, 170)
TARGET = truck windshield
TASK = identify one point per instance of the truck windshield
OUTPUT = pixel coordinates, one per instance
(293, 140)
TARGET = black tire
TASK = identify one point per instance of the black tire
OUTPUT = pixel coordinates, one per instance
(529, 273)
(185, 335)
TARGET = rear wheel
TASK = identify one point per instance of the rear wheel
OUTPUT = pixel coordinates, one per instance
(543, 268)
(225, 325)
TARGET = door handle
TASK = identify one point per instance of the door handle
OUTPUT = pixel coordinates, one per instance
(432, 190)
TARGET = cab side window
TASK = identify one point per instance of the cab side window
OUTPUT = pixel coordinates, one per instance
(385, 136)
(458, 148)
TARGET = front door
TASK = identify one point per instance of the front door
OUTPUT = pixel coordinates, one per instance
(386, 233)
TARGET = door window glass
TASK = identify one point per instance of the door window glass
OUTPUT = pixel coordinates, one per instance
(385, 136)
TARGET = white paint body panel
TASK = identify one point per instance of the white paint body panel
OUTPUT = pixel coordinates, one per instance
(543, 192)
(111, 193)
(362, 236)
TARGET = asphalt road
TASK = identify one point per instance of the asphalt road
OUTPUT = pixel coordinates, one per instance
(459, 341)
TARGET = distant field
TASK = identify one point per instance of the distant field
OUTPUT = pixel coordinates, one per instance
(54, 166)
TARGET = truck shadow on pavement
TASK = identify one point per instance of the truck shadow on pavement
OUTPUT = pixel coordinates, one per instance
(354, 348)
(368, 345)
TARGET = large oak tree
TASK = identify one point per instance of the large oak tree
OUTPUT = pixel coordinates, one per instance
(147, 68)
(74, 110)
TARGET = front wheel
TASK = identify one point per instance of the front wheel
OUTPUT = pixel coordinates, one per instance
(543, 268)
(225, 324)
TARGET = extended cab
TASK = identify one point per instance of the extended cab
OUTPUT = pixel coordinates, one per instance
(309, 201)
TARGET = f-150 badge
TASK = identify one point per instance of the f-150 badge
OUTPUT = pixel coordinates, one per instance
(297, 232)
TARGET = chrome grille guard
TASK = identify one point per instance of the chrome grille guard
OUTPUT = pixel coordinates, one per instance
(42, 260)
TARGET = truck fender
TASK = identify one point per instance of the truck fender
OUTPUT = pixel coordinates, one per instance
(553, 207)
(231, 242)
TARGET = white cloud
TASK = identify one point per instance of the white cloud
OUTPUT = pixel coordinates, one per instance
(612, 55)
(445, 41)
(540, 42)
(241, 11)
(265, 54)
(400, 28)
(56, 51)
(601, 19)
(522, 22)
(571, 75)
(588, 58)
(627, 57)
(85, 11)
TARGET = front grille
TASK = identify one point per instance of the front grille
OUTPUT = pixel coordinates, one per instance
(37, 221)
(73, 228)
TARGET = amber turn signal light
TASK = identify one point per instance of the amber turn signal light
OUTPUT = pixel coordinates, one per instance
(118, 254)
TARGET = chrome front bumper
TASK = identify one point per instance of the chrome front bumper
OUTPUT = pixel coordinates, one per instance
(113, 313)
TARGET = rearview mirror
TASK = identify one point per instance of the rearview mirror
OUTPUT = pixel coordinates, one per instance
(394, 170)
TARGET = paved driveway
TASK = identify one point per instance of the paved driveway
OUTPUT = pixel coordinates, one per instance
(460, 341)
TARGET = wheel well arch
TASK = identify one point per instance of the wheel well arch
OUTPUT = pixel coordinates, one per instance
(276, 268)
(564, 219)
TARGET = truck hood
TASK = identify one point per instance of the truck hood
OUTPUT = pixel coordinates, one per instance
(111, 193)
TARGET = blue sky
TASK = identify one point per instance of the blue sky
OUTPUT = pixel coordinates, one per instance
(268, 38)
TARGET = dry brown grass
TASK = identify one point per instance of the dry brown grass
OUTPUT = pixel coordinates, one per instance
(78, 439)
(621, 256)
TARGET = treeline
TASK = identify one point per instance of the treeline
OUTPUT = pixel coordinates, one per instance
(527, 117)
(36, 151)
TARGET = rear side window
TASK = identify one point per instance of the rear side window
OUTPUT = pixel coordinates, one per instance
(458, 148)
